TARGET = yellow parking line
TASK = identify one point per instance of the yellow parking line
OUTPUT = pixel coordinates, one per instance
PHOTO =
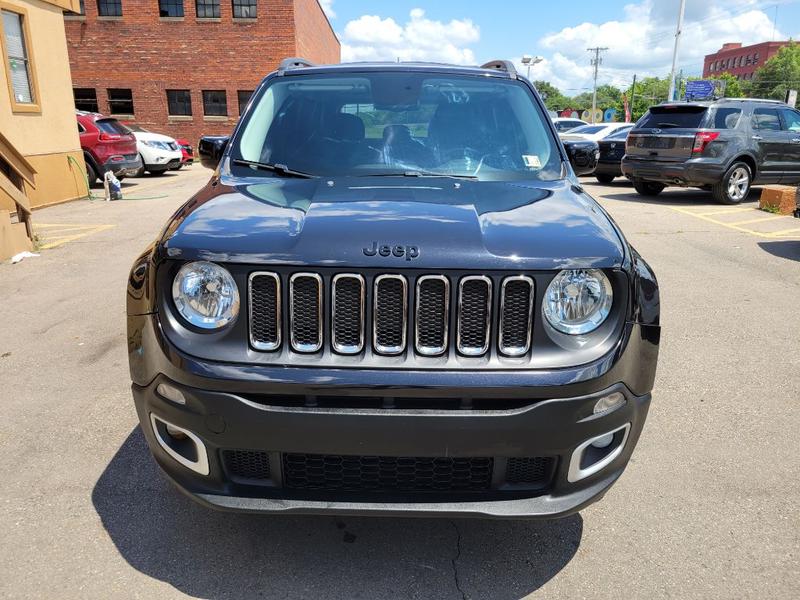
(62, 226)
(784, 232)
(727, 211)
(759, 220)
(59, 240)
(723, 224)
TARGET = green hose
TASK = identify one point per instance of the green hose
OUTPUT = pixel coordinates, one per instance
(92, 197)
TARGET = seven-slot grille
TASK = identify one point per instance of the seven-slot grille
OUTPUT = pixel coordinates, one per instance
(386, 323)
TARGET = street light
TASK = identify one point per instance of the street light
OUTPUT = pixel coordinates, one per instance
(529, 61)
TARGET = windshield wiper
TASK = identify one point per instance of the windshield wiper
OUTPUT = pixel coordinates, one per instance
(275, 168)
(419, 174)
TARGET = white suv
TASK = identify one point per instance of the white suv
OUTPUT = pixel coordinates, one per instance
(159, 153)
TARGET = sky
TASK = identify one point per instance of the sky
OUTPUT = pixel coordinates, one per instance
(639, 34)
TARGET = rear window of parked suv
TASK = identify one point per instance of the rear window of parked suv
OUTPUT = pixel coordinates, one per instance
(690, 117)
(112, 126)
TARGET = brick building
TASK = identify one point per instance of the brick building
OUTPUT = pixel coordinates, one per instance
(187, 67)
(740, 61)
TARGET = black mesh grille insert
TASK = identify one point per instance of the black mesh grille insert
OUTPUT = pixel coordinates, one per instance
(390, 315)
(264, 311)
(532, 471)
(386, 473)
(431, 322)
(247, 464)
(515, 317)
(306, 328)
(348, 312)
(473, 331)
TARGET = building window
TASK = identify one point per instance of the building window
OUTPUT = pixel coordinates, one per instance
(207, 9)
(244, 98)
(179, 103)
(85, 99)
(109, 8)
(215, 104)
(749, 59)
(170, 8)
(244, 9)
(120, 101)
(755, 58)
(17, 59)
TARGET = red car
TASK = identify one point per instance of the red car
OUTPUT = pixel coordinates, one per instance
(107, 146)
(186, 149)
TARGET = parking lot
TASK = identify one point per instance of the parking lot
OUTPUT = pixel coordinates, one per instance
(708, 508)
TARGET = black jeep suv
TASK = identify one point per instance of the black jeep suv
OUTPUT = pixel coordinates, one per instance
(724, 146)
(393, 296)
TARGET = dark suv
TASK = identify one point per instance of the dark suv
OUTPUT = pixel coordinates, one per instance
(724, 146)
(393, 296)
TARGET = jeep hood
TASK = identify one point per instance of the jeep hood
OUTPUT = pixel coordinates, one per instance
(455, 224)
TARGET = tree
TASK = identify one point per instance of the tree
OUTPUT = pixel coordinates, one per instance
(553, 98)
(608, 96)
(779, 74)
(649, 91)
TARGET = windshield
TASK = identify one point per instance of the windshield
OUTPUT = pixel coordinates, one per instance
(588, 129)
(400, 123)
(619, 134)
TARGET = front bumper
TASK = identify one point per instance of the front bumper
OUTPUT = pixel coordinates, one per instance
(226, 410)
(160, 160)
(690, 173)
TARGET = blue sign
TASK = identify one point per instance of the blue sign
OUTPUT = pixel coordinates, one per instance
(701, 89)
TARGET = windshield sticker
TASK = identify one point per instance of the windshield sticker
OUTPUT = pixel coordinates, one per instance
(532, 161)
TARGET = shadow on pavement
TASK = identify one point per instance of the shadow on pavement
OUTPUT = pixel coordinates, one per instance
(219, 555)
(789, 249)
(681, 197)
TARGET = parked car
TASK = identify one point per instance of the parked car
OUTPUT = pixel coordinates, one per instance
(595, 132)
(159, 153)
(187, 152)
(107, 146)
(583, 155)
(564, 124)
(724, 146)
(376, 309)
(611, 151)
(211, 148)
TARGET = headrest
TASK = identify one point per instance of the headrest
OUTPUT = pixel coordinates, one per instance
(396, 133)
(347, 128)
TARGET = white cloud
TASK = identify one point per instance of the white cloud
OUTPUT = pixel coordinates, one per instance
(641, 42)
(371, 37)
(327, 6)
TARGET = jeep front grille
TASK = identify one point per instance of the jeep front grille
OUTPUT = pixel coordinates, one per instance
(350, 313)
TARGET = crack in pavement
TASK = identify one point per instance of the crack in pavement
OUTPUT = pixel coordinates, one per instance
(454, 561)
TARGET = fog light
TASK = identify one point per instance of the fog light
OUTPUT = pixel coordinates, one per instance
(171, 393)
(178, 434)
(607, 404)
(603, 442)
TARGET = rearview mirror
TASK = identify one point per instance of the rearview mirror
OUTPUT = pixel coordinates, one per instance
(211, 148)
(583, 156)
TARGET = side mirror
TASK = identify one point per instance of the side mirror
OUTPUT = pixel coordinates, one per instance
(583, 156)
(211, 148)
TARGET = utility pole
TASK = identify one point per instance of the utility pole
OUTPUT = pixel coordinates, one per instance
(633, 97)
(675, 51)
(596, 62)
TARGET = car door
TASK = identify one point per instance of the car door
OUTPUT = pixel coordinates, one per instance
(790, 123)
(770, 143)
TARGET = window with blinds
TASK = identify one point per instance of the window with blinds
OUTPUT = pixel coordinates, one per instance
(17, 58)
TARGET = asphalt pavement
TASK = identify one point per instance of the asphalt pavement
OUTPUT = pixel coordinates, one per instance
(708, 507)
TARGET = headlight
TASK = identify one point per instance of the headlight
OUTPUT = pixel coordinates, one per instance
(159, 145)
(206, 295)
(578, 300)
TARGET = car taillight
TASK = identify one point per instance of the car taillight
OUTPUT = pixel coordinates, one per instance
(109, 137)
(703, 139)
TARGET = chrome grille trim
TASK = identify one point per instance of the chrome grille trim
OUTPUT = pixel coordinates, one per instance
(345, 348)
(266, 347)
(379, 348)
(516, 350)
(298, 346)
(432, 350)
(474, 350)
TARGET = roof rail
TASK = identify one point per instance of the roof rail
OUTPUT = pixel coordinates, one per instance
(501, 65)
(294, 63)
(767, 100)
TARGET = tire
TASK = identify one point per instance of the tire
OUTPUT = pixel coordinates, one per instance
(604, 177)
(140, 171)
(648, 188)
(91, 174)
(735, 184)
